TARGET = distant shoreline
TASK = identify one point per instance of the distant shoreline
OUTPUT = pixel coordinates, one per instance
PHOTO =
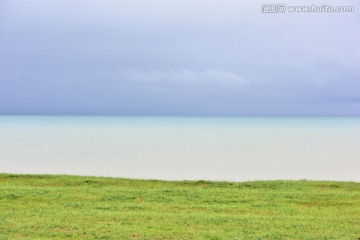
(51, 175)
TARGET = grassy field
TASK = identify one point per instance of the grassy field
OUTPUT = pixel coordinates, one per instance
(60, 207)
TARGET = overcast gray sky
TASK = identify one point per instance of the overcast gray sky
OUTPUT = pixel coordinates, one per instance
(177, 57)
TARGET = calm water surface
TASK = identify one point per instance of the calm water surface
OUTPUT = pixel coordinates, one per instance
(176, 148)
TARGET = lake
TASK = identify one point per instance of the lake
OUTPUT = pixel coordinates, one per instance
(178, 148)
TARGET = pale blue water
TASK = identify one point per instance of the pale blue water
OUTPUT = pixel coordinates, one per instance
(224, 148)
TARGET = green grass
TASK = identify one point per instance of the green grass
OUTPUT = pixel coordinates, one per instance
(60, 207)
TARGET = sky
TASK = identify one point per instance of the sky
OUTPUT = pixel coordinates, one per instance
(177, 57)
